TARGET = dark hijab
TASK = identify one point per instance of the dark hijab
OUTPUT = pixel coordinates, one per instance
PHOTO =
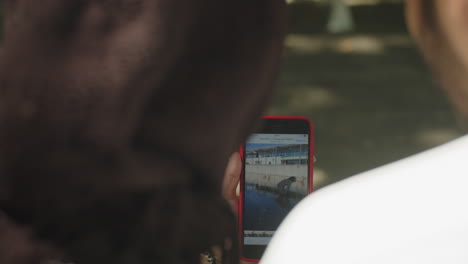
(117, 119)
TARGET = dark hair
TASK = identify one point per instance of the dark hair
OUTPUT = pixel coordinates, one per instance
(292, 178)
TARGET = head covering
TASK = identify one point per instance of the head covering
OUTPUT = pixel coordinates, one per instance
(118, 118)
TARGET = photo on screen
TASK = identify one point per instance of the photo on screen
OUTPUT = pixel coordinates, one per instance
(276, 179)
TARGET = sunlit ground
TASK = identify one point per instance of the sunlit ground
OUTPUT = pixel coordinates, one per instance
(368, 93)
(349, 2)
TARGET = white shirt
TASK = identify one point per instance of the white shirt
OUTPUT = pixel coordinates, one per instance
(411, 211)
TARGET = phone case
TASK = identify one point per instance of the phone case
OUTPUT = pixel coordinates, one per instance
(311, 177)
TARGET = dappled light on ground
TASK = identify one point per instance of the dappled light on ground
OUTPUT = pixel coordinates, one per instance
(358, 44)
(320, 178)
(307, 98)
(349, 2)
(436, 136)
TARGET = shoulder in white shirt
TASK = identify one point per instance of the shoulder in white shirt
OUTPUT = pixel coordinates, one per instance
(411, 211)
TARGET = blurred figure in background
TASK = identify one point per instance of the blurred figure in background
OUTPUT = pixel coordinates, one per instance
(341, 17)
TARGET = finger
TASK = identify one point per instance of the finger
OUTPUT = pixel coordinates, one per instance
(232, 176)
(231, 180)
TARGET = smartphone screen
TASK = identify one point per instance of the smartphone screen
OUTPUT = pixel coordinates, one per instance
(277, 175)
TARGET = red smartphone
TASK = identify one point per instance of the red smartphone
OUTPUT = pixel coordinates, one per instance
(277, 173)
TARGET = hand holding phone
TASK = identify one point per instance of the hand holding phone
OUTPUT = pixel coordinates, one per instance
(230, 183)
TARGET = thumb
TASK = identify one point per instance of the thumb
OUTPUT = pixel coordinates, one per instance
(231, 180)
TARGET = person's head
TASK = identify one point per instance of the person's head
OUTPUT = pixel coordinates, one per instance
(440, 28)
(292, 178)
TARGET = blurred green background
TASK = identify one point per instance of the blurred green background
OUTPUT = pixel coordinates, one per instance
(367, 91)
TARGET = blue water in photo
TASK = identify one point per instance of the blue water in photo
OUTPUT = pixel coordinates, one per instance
(265, 210)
